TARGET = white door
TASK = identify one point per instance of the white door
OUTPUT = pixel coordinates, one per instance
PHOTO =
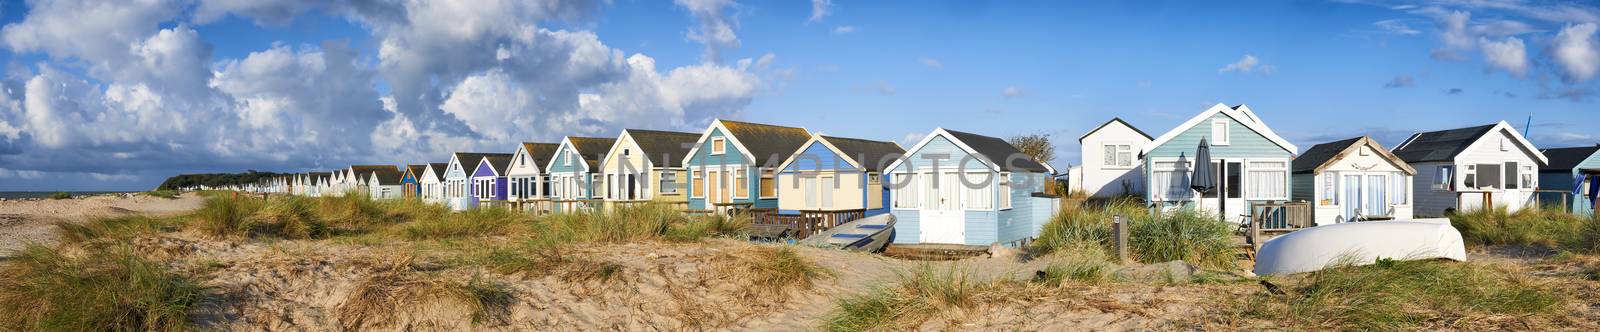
(941, 219)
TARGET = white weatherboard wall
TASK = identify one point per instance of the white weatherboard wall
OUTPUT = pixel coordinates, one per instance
(1488, 149)
(1108, 178)
(1366, 162)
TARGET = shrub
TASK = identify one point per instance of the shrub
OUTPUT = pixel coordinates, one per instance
(165, 193)
(108, 289)
(1402, 295)
(226, 215)
(292, 218)
(1535, 227)
(118, 227)
(60, 195)
(920, 294)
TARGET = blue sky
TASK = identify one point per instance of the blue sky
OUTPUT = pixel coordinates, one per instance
(117, 95)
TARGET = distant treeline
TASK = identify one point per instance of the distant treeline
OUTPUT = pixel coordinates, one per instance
(216, 179)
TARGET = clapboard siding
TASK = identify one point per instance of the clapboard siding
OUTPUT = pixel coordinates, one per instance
(1430, 202)
(942, 152)
(1305, 187)
(982, 228)
(1244, 143)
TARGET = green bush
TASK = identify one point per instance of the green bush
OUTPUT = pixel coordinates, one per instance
(1401, 295)
(226, 215)
(60, 195)
(110, 289)
(167, 193)
(292, 217)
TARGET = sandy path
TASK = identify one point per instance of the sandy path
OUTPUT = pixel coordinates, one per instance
(33, 221)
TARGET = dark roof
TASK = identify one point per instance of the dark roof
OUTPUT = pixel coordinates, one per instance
(541, 153)
(999, 151)
(1314, 157)
(364, 171)
(416, 171)
(592, 149)
(469, 160)
(1113, 120)
(1565, 159)
(769, 144)
(664, 148)
(386, 177)
(1441, 145)
(438, 169)
(1321, 155)
(500, 162)
(873, 155)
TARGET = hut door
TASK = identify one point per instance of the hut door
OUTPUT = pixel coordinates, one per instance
(1352, 197)
(942, 219)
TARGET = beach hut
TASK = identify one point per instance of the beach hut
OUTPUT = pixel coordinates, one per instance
(1469, 168)
(528, 183)
(1574, 171)
(489, 178)
(1353, 179)
(961, 188)
(1111, 166)
(432, 182)
(574, 172)
(322, 183)
(410, 182)
(357, 178)
(459, 194)
(1249, 162)
(647, 165)
(733, 165)
(836, 178)
(384, 183)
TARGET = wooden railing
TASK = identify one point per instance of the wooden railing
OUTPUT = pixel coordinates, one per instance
(1285, 215)
(806, 223)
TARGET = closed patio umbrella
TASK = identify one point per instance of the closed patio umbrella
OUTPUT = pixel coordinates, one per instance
(1202, 179)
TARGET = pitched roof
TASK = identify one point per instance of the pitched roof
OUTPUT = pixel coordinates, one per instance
(541, 153)
(1239, 113)
(363, 171)
(873, 155)
(500, 162)
(1114, 120)
(1321, 155)
(1442, 145)
(416, 170)
(664, 148)
(767, 144)
(438, 170)
(1565, 159)
(592, 149)
(386, 177)
(470, 159)
(1000, 151)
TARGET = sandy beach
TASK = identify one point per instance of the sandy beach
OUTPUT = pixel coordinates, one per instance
(33, 220)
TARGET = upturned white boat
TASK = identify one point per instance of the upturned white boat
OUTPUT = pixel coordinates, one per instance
(868, 234)
(1363, 243)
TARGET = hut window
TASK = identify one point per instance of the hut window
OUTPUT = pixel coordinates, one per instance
(1400, 192)
(979, 194)
(1445, 178)
(669, 182)
(874, 179)
(611, 182)
(1171, 181)
(1268, 180)
(741, 183)
(1219, 132)
(1511, 175)
(769, 183)
(1118, 155)
(1005, 191)
(905, 197)
(698, 188)
(1471, 181)
(1330, 193)
(718, 146)
(1505, 144)
(595, 181)
(1527, 177)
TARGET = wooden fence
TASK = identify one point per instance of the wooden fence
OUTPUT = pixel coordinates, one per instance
(806, 223)
(1282, 216)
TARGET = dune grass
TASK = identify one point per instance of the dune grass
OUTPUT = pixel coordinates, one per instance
(374, 302)
(1404, 295)
(1547, 228)
(225, 215)
(114, 228)
(1086, 264)
(921, 293)
(764, 270)
(1186, 235)
(164, 193)
(45, 289)
(291, 218)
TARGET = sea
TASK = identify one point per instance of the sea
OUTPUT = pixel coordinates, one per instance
(41, 194)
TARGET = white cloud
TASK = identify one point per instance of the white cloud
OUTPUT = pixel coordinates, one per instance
(883, 88)
(844, 29)
(820, 9)
(716, 27)
(931, 63)
(1574, 50)
(1011, 92)
(911, 139)
(1396, 27)
(1247, 64)
(1508, 54)
(20, 174)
